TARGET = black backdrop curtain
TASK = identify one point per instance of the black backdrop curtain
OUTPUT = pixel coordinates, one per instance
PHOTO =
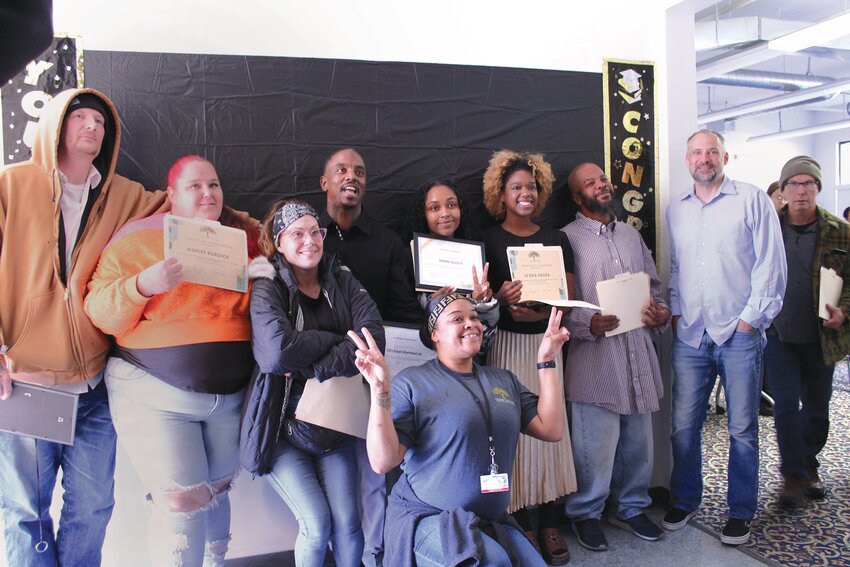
(269, 123)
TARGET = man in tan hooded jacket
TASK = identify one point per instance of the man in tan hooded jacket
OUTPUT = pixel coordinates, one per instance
(57, 212)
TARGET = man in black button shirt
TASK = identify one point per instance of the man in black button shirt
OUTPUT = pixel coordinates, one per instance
(378, 259)
(373, 252)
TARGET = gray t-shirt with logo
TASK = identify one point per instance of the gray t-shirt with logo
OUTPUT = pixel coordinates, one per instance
(446, 434)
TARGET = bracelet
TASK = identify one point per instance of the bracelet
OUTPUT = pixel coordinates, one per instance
(547, 364)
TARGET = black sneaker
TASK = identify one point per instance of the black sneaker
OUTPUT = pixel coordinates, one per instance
(590, 535)
(639, 525)
(735, 532)
(676, 518)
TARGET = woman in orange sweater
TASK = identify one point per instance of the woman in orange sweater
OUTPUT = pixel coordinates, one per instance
(178, 373)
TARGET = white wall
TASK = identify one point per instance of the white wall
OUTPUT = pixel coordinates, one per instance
(677, 120)
(825, 150)
(759, 162)
(531, 34)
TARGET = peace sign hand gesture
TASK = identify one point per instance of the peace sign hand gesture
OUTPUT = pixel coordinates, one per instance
(554, 337)
(481, 287)
(370, 362)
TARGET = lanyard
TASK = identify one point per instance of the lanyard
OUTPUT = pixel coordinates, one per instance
(486, 414)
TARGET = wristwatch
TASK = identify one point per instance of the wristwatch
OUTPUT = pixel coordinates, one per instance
(547, 364)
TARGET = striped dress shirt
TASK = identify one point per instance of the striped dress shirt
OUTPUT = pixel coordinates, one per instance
(619, 373)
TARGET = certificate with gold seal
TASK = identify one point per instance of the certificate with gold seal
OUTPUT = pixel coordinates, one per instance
(541, 271)
(211, 254)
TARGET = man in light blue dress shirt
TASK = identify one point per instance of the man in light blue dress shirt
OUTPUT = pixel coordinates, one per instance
(727, 281)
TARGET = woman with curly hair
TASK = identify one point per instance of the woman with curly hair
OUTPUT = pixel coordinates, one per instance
(437, 209)
(516, 188)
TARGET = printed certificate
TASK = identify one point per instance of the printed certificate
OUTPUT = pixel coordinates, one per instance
(404, 348)
(541, 271)
(438, 262)
(211, 254)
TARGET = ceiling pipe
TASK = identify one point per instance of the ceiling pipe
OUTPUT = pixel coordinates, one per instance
(768, 80)
(737, 59)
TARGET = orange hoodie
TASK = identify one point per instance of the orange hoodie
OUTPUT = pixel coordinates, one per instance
(48, 338)
(188, 314)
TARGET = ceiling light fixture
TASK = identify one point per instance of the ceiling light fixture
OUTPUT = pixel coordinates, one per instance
(784, 134)
(820, 33)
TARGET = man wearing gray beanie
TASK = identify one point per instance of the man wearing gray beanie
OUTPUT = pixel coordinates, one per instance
(802, 348)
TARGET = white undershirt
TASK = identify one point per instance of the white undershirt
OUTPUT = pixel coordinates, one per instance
(72, 203)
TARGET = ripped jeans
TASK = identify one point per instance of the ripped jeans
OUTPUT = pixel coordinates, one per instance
(184, 447)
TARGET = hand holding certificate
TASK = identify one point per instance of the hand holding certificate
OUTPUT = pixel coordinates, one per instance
(624, 296)
(831, 285)
(439, 262)
(211, 254)
(541, 271)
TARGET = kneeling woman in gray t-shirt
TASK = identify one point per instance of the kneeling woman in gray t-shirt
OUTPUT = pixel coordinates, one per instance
(454, 424)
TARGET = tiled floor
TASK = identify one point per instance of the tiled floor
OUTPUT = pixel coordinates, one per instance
(690, 547)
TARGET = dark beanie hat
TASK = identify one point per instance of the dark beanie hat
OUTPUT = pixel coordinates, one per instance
(88, 100)
(801, 165)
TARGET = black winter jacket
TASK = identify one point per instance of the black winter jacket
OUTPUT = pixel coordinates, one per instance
(282, 346)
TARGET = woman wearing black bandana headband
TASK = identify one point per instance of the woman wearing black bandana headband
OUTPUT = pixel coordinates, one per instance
(299, 320)
(454, 424)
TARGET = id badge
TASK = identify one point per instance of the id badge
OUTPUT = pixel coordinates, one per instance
(494, 483)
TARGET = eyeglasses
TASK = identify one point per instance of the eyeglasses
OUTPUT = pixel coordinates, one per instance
(805, 185)
(298, 235)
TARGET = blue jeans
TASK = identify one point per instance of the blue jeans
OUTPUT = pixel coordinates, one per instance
(428, 549)
(321, 491)
(739, 362)
(373, 501)
(612, 455)
(184, 447)
(87, 468)
(799, 374)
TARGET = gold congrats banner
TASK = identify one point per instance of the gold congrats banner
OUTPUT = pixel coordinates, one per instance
(631, 155)
(59, 68)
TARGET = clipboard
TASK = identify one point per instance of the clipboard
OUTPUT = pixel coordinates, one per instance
(624, 296)
(831, 285)
(40, 412)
